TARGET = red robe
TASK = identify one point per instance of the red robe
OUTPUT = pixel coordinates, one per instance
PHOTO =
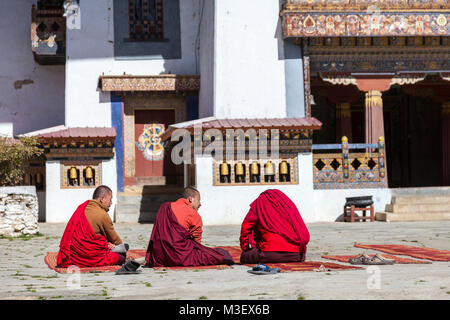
(274, 224)
(80, 246)
(172, 245)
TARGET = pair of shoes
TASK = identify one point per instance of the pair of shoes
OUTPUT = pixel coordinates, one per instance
(263, 269)
(129, 267)
(361, 259)
(377, 259)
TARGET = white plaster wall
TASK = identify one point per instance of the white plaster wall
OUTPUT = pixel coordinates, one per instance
(249, 66)
(61, 203)
(37, 105)
(229, 205)
(90, 53)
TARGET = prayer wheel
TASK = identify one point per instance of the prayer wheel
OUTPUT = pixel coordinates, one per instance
(269, 174)
(254, 172)
(240, 172)
(284, 171)
(89, 173)
(239, 169)
(73, 173)
(224, 172)
(38, 178)
(73, 176)
(284, 167)
(254, 168)
(268, 168)
(224, 169)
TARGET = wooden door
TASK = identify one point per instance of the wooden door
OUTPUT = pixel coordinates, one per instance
(151, 161)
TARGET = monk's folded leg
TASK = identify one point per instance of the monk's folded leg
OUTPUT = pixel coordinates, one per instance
(280, 256)
(250, 256)
(227, 259)
(121, 259)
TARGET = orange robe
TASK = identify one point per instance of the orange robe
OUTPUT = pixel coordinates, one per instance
(188, 218)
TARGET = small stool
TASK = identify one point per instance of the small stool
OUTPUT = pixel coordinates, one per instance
(362, 204)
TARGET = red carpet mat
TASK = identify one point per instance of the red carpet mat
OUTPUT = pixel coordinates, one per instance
(415, 252)
(235, 253)
(51, 260)
(344, 258)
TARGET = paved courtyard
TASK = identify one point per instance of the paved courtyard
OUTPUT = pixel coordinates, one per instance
(24, 275)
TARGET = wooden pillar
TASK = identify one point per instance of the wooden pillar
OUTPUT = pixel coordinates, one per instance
(306, 78)
(343, 121)
(445, 123)
(374, 116)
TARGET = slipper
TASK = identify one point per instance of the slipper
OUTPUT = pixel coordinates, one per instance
(378, 259)
(361, 259)
(129, 267)
(261, 269)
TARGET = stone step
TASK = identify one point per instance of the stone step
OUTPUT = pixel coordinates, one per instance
(432, 199)
(142, 203)
(412, 216)
(418, 207)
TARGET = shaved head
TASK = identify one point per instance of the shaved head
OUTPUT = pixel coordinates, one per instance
(101, 192)
(189, 192)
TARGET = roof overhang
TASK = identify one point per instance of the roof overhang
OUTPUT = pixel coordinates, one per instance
(244, 124)
(163, 82)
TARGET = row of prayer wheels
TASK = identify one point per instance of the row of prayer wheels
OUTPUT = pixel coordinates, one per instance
(74, 176)
(255, 173)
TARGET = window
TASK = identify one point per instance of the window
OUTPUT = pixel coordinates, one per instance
(145, 19)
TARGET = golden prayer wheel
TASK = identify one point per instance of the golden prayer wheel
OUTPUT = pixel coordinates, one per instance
(38, 178)
(268, 168)
(224, 169)
(89, 173)
(254, 168)
(73, 173)
(239, 169)
(284, 167)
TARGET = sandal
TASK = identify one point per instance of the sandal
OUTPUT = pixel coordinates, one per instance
(263, 269)
(361, 259)
(378, 259)
(129, 267)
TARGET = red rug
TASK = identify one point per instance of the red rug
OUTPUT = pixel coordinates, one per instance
(51, 261)
(235, 253)
(345, 258)
(415, 252)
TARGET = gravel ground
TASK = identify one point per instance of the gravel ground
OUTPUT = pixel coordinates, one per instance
(24, 275)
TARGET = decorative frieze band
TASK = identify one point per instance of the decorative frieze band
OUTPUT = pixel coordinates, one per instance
(168, 82)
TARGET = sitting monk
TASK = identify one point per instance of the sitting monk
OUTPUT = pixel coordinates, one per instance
(89, 236)
(273, 230)
(177, 234)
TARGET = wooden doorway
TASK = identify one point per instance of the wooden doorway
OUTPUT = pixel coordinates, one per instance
(152, 164)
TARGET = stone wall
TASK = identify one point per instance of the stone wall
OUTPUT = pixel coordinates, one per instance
(18, 211)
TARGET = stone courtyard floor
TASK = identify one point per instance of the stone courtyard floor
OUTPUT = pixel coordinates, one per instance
(24, 275)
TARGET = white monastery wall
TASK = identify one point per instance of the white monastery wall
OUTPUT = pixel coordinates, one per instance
(249, 66)
(90, 53)
(31, 95)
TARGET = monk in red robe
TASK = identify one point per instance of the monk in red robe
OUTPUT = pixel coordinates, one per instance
(177, 234)
(89, 236)
(273, 230)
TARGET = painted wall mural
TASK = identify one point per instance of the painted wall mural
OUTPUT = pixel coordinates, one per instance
(150, 142)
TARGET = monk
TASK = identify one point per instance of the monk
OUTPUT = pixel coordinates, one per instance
(89, 236)
(273, 230)
(177, 234)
